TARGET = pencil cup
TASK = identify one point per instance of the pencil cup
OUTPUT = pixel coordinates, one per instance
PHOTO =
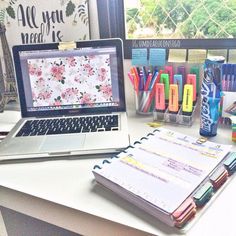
(144, 102)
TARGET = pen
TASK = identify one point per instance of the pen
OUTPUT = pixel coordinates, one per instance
(223, 76)
(131, 78)
(148, 81)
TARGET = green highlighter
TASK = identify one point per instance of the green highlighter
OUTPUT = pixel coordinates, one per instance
(166, 81)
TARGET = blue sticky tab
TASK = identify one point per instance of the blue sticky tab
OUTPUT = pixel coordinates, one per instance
(157, 57)
(139, 56)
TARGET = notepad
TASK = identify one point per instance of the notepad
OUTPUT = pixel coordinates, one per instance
(139, 56)
(157, 57)
(171, 166)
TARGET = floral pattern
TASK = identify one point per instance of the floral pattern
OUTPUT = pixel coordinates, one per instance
(80, 80)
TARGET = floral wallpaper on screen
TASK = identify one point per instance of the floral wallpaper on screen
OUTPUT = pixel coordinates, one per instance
(70, 80)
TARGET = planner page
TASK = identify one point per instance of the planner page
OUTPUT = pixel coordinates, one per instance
(165, 167)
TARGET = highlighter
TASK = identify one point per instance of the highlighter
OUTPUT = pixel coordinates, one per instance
(195, 70)
(182, 71)
(165, 80)
(160, 97)
(187, 106)
(179, 81)
(191, 79)
(170, 72)
(173, 99)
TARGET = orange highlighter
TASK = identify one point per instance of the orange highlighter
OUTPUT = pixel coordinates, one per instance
(160, 97)
(173, 98)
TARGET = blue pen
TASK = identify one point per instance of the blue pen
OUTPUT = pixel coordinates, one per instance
(179, 81)
(154, 78)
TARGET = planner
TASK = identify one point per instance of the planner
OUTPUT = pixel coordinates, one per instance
(168, 174)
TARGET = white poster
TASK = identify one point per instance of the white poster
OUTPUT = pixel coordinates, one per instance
(44, 21)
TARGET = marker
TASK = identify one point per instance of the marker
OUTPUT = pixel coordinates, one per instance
(170, 72)
(165, 80)
(182, 71)
(178, 80)
(160, 97)
(187, 106)
(195, 70)
(191, 79)
(173, 99)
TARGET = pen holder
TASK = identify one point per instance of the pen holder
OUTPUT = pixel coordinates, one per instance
(144, 102)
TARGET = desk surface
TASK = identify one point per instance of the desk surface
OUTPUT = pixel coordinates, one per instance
(64, 193)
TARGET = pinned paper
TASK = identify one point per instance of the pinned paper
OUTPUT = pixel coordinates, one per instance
(139, 56)
(232, 56)
(217, 52)
(157, 57)
(177, 55)
(196, 55)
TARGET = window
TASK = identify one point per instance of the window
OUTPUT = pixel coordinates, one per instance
(171, 24)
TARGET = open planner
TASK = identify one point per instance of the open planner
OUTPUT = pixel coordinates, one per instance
(168, 174)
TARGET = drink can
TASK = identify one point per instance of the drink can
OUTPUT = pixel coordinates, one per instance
(210, 96)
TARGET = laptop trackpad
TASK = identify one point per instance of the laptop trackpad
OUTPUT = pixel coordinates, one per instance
(63, 143)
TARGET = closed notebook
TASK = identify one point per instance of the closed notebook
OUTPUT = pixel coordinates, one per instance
(163, 171)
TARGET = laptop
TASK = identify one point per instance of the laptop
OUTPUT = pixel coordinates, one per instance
(72, 100)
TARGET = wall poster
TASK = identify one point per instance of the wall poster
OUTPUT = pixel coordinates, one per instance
(44, 21)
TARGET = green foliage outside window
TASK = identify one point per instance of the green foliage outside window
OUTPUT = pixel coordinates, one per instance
(182, 19)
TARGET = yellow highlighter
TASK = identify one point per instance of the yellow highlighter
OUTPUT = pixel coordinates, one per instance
(187, 106)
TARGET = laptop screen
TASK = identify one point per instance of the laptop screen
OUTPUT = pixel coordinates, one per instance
(86, 79)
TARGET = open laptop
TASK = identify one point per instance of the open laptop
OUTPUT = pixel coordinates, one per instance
(72, 100)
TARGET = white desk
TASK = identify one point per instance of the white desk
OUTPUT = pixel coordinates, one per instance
(64, 193)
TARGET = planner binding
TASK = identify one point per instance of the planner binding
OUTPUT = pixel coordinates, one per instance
(171, 176)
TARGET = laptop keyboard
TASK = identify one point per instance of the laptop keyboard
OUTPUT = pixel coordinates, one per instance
(69, 125)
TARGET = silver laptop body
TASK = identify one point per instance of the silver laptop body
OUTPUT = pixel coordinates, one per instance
(70, 83)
